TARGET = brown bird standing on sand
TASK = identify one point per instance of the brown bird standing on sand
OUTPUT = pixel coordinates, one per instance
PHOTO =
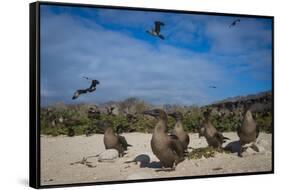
(248, 132)
(178, 129)
(214, 138)
(114, 141)
(167, 148)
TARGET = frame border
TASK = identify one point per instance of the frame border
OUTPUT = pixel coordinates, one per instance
(34, 94)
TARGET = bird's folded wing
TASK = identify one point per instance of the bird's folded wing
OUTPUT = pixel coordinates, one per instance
(176, 145)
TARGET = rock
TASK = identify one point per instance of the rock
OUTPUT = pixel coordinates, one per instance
(139, 175)
(110, 155)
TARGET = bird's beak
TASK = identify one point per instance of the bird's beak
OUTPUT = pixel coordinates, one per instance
(149, 112)
(171, 114)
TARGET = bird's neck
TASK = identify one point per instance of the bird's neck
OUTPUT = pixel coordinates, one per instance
(109, 131)
(161, 126)
(178, 123)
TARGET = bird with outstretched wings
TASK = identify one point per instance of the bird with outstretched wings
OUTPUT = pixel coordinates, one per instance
(235, 22)
(156, 30)
(92, 88)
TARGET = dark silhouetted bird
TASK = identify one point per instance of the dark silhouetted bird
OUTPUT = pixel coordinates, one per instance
(212, 86)
(234, 23)
(156, 31)
(92, 88)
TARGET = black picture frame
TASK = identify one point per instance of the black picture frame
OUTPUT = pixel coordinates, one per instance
(34, 93)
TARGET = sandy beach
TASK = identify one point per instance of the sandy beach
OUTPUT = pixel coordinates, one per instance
(57, 154)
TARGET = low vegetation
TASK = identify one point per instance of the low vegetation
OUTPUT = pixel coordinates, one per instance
(206, 152)
(61, 119)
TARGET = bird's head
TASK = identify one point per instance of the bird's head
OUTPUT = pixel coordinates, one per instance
(96, 82)
(103, 126)
(157, 113)
(207, 114)
(176, 115)
(201, 131)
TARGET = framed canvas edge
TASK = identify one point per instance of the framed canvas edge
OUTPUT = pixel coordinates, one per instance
(34, 104)
(34, 95)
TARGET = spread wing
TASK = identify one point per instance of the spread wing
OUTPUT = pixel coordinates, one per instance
(158, 25)
(176, 145)
(78, 92)
(234, 22)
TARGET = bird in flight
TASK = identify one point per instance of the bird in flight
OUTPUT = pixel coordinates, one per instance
(92, 88)
(235, 22)
(156, 30)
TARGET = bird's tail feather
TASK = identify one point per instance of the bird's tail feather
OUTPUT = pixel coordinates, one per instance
(225, 138)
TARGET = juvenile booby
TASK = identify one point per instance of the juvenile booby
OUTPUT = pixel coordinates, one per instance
(167, 148)
(92, 88)
(214, 138)
(156, 30)
(178, 129)
(114, 141)
(248, 132)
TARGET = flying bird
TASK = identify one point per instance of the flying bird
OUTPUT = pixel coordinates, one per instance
(92, 88)
(234, 23)
(156, 31)
(212, 86)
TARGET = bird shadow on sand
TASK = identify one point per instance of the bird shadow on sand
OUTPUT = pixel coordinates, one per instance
(233, 147)
(145, 162)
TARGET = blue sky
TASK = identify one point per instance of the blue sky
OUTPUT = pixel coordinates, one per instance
(112, 46)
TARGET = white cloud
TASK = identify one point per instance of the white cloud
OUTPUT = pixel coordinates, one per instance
(159, 73)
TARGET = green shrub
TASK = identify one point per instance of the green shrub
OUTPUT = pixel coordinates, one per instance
(56, 120)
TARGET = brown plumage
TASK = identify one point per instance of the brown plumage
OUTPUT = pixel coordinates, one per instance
(214, 138)
(248, 132)
(178, 129)
(114, 141)
(167, 148)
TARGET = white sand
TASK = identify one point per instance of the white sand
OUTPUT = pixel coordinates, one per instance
(58, 152)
